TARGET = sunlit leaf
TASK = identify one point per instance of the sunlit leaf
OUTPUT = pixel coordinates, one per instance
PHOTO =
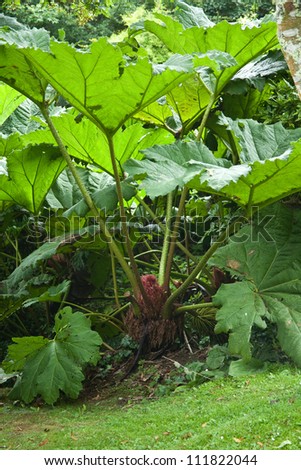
(10, 99)
(30, 174)
(87, 143)
(243, 44)
(21, 350)
(96, 82)
(16, 70)
(191, 16)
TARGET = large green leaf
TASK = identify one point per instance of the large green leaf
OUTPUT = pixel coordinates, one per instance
(266, 257)
(168, 166)
(243, 44)
(191, 16)
(96, 82)
(16, 70)
(57, 364)
(10, 99)
(257, 182)
(87, 143)
(65, 194)
(189, 100)
(29, 175)
(258, 141)
(46, 374)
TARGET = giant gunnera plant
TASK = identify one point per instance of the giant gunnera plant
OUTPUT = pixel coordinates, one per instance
(133, 135)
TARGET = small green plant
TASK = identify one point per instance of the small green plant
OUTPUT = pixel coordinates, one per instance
(216, 365)
(283, 104)
(122, 348)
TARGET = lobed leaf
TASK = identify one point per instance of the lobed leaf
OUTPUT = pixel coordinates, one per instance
(21, 350)
(166, 167)
(47, 373)
(29, 175)
(10, 99)
(266, 257)
(242, 44)
(57, 364)
(96, 82)
(264, 178)
(190, 16)
(258, 141)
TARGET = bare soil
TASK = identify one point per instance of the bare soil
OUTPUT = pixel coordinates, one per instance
(143, 382)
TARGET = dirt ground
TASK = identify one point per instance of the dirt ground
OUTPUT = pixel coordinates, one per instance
(151, 378)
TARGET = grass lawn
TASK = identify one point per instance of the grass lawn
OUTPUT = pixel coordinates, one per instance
(256, 412)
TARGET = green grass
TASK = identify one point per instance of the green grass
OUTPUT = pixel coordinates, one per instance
(257, 412)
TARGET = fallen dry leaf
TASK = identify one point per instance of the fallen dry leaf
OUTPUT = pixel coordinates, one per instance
(186, 436)
(41, 444)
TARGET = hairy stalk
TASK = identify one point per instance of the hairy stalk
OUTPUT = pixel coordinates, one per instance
(166, 242)
(202, 263)
(114, 277)
(167, 312)
(205, 117)
(88, 199)
(249, 210)
(186, 308)
(186, 241)
(138, 287)
(235, 154)
(157, 221)
(17, 258)
(151, 251)
(173, 238)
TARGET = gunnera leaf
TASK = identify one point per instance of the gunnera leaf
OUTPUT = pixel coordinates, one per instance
(56, 366)
(266, 258)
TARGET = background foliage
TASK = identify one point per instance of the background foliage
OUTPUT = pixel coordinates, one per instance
(84, 21)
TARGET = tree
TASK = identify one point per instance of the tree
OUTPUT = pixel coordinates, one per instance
(289, 32)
